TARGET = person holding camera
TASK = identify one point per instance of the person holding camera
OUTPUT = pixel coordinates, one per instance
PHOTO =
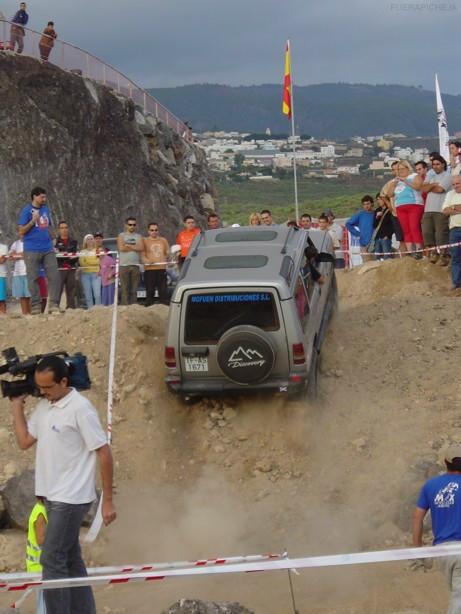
(69, 437)
(35, 229)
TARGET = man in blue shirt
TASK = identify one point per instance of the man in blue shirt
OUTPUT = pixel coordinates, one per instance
(17, 33)
(442, 496)
(361, 223)
(35, 230)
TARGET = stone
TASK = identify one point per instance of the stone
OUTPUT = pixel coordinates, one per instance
(19, 499)
(265, 466)
(229, 413)
(207, 202)
(4, 435)
(10, 470)
(195, 606)
(360, 444)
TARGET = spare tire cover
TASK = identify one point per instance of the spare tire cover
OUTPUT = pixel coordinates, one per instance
(245, 355)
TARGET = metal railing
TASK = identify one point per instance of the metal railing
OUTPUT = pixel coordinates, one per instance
(76, 60)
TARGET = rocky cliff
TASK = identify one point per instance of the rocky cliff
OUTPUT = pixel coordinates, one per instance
(98, 156)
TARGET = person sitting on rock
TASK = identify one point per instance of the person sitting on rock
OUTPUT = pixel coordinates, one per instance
(38, 520)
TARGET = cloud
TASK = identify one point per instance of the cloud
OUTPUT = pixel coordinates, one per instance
(162, 43)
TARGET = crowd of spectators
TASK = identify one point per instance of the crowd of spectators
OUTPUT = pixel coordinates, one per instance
(45, 266)
(418, 214)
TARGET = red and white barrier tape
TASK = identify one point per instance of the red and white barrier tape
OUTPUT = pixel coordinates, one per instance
(94, 571)
(435, 248)
(356, 558)
(100, 254)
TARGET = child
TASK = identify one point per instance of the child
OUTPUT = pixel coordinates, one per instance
(3, 274)
(107, 272)
(38, 520)
(20, 289)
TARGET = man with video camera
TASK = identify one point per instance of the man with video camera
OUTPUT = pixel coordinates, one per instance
(69, 438)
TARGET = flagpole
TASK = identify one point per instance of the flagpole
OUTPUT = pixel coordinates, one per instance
(295, 175)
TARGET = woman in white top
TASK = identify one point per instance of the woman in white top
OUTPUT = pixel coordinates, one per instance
(409, 206)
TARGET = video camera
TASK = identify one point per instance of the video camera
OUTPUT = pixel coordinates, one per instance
(79, 377)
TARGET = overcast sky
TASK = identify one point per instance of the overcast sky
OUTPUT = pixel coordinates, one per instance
(162, 43)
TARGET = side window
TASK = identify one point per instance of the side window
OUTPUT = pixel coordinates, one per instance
(302, 299)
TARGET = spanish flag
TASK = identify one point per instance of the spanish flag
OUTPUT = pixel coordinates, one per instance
(286, 103)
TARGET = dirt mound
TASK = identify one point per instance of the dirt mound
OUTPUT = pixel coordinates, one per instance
(259, 474)
(404, 276)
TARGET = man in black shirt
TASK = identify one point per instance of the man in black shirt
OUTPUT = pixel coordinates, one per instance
(67, 266)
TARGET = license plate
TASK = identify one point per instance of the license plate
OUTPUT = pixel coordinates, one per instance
(195, 364)
(141, 294)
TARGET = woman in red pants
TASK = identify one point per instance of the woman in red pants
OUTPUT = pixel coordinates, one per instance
(410, 207)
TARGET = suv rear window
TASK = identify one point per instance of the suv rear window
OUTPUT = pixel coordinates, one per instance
(208, 316)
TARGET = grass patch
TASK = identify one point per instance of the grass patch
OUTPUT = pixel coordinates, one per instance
(236, 200)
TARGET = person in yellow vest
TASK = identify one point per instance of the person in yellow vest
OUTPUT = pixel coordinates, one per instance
(38, 520)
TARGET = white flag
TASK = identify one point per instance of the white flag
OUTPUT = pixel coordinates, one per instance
(444, 137)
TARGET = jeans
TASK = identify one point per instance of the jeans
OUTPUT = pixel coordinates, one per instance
(91, 283)
(451, 568)
(68, 284)
(33, 262)
(155, 279)
(129, 282)
(455, 237)
(62, 558)
(40, 602)
(435, 229)
(17, 38)
(383, 246)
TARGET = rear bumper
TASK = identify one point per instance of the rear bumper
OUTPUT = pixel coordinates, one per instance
(295, 382)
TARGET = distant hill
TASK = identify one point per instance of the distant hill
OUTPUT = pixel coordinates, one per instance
(338, 110)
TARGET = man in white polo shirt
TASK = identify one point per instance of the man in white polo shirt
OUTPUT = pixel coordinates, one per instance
(69, 438)
(452, 208)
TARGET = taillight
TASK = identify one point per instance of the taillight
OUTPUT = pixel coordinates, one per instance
(170, 358)
(299, 358)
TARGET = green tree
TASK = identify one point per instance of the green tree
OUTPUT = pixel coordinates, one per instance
(238, 161)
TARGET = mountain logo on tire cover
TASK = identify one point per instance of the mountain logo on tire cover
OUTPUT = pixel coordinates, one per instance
(245, 358)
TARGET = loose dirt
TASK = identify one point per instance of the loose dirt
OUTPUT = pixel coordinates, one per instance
(251, 475)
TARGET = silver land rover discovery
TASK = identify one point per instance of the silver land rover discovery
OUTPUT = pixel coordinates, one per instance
(247, 315)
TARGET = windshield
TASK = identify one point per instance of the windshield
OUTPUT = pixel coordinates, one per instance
(208, 316)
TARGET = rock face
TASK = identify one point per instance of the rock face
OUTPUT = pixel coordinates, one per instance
(96, 153)
(194, 606)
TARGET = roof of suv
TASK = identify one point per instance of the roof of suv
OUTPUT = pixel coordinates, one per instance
(246, 256)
